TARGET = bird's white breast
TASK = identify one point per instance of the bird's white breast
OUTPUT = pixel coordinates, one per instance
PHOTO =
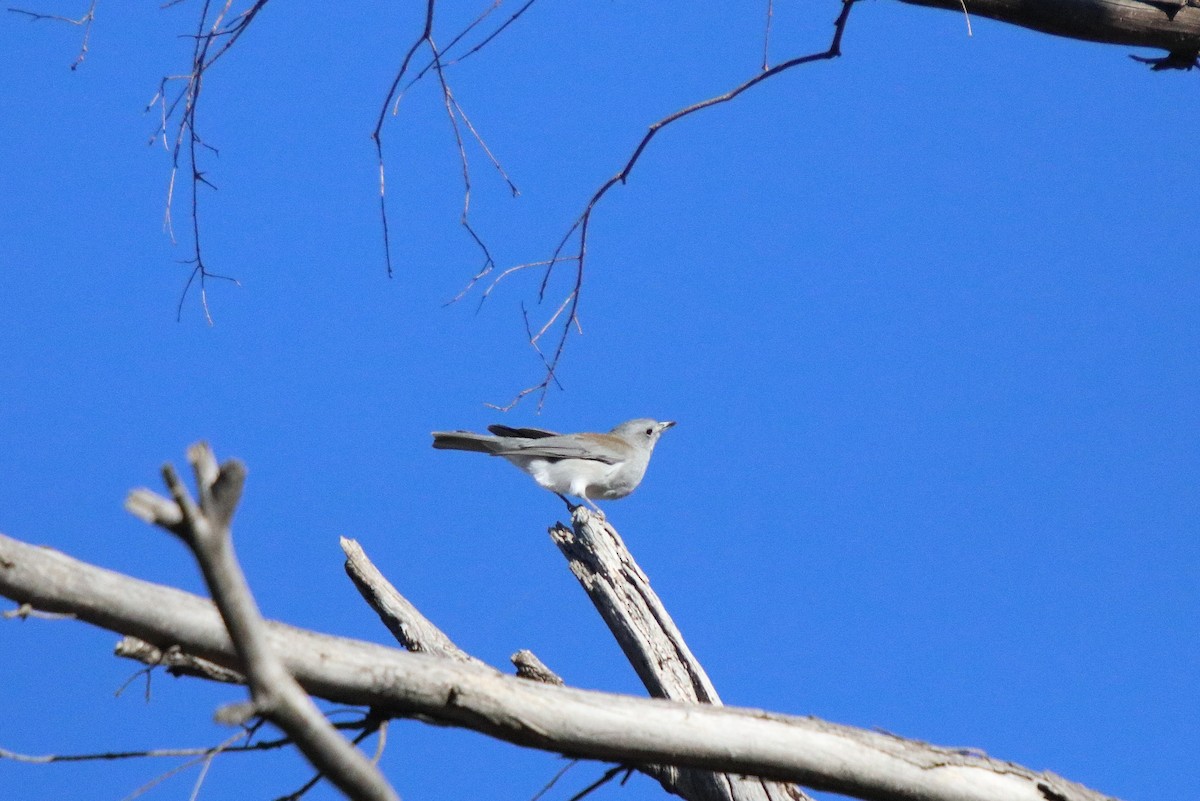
(571, 476)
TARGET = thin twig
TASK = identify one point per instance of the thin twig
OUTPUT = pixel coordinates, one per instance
(766, 59)
(580, 228)
(86, 21)
(377, 134)
(300, 792)
(437, 64)
(452, 112)
(421, 73)
(608, 776)
(553, 781)
(186, 103)
(203, 758)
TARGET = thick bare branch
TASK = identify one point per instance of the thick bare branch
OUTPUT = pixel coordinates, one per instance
(807, 751)
(1172, 25)
(632, 610)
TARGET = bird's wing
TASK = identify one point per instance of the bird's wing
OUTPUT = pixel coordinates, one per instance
(521, 433)
(597, 448)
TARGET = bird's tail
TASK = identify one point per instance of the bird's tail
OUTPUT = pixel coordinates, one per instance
(465, 441)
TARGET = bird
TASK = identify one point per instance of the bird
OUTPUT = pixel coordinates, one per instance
(588, 465)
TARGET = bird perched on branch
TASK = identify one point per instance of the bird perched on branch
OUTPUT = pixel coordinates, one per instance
(589, 466)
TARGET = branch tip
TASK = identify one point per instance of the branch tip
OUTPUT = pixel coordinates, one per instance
(150, 507)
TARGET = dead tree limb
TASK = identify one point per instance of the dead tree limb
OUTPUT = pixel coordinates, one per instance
(655, 647)
(605, 726)
(415, 631)
(204, 526)
(1171, 25)
(410, 628)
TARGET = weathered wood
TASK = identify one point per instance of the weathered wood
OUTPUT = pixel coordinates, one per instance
(410, 628)
(1172, 25)
(616, 728)
(203, 523)
(654, 646)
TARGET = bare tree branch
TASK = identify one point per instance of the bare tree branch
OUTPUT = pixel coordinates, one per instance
(391, 102)
(580, 228)
(205, 527)
(604, 726)
(1171, 25)
(454, 111)
(176, 662)
(414, 631)
(653, 644)
(155, 753)
(187, 141)
(377, 134)
(86, 21)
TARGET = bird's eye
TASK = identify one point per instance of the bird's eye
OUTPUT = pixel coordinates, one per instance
(649, 432)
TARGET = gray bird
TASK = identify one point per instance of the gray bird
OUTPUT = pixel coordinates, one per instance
(589, 466)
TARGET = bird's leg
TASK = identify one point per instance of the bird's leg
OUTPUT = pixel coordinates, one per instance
(570, 506)
(598, 510)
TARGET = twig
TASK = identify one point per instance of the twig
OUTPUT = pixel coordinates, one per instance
(487, 39)
(108, 756)
(376, 725)
(204, 766)
(453, 110)
(495, 281)
(395, 94)
(186, 102)
(553, 781)
(608, 776)
(580, 228)
(766, 58)
(377, 134)
(421, 73)
(144, 672)
(86, 21)
(25, 611)
(201, 759)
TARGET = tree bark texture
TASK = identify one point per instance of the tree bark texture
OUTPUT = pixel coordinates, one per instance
(653, 644)
(1172, 25)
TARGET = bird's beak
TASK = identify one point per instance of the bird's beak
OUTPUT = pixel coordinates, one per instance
(663, 426)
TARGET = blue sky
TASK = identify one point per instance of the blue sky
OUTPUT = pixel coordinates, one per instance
(928, 317)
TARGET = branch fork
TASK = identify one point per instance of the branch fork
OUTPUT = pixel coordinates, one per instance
(204, 527)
